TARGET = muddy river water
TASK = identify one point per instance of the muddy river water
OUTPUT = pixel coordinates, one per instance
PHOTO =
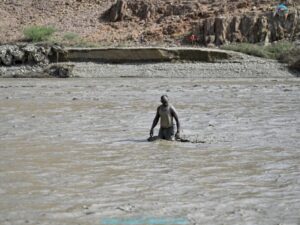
(75, 152)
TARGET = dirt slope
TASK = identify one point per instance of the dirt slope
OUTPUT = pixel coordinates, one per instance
(153, 22)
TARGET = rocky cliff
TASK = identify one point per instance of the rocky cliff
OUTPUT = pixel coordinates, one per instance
(236, 21)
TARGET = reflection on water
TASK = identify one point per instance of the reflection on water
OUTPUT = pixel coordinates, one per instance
(75, 151)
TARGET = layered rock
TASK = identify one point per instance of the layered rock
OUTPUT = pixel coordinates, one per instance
(250, 28)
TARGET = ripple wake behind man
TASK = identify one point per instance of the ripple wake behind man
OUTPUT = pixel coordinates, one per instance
(165, 112)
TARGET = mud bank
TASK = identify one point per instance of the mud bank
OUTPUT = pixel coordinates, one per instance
(30, 54)
(125, 55)
(65, 59)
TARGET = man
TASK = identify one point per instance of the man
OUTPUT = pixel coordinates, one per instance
(166, 112)
(282, 10)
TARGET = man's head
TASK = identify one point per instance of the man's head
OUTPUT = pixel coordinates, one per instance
(164, 100)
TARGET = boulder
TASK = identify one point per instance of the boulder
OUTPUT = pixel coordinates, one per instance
(39, 57)
(36, 54)
(18, 55)
(116, 12)
(60, 70)
(29, 51)
(5, 56)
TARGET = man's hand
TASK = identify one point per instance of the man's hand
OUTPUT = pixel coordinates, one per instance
(151, 132)
(177, 135)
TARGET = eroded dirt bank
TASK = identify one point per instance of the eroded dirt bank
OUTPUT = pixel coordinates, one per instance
(74, 151)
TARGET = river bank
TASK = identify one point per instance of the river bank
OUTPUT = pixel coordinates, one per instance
(55, 61)
(249, 67)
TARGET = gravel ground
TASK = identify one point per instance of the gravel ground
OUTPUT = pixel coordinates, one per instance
(247, 67)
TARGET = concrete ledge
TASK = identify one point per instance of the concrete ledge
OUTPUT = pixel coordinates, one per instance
(125, 55)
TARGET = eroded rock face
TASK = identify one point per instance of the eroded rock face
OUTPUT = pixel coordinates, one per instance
(117, 11)
(147, 10)
(27, 54)
(239, 21)
(262, 28)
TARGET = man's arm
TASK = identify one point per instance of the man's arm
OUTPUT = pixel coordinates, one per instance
(174, 114)
(155, 121)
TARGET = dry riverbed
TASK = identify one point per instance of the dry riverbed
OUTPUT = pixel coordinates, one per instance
(74, 151)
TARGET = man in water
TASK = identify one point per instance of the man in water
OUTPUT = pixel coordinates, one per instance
(166, 112)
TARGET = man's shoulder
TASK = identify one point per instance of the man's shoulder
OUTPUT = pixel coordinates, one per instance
(171, 107)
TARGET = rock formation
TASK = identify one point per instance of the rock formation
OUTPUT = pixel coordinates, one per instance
(28, 54)
(262, 28)
(59, 70)
(212, 26)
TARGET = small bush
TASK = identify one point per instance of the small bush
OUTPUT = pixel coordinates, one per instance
(292, 58)
(249, 49)
(38, 33)
(273, 51)
(71, 36)
(283, 51)
(278, 49)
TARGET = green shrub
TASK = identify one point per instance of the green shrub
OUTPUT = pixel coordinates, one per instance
(283, 51)
(292, 58)
(279, 49)
(38, 33)
(273, 51)
(247, 48)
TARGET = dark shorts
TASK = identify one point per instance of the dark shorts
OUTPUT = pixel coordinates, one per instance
(167, 133)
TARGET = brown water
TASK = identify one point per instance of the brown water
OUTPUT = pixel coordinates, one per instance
(74, 151)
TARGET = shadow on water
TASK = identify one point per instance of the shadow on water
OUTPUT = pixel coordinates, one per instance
(156, 138)
(133, 140)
